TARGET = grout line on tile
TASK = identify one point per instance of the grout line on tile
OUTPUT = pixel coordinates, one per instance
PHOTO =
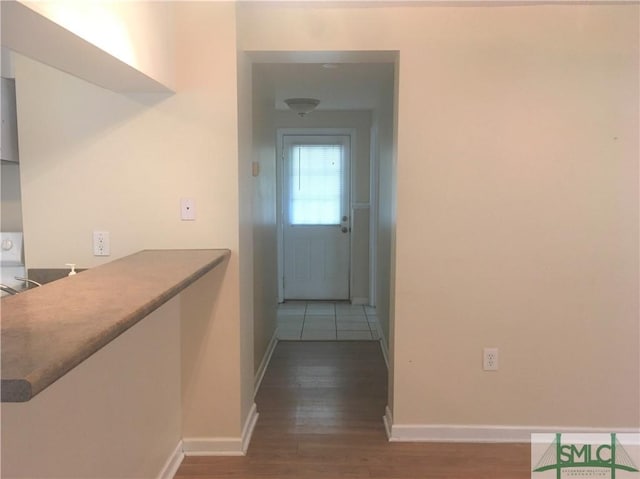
(368, 322)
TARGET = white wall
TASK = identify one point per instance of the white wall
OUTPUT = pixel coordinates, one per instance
(116, 415)
(247, 221)
(94, 159)
(517, 211)
(384, 127)
(264, 216)
(210, 361)
(527, 238)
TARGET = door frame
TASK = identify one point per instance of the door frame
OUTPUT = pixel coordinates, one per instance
(281, 133)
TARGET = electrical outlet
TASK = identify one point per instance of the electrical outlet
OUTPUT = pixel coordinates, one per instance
(490, 359)
(101, 246)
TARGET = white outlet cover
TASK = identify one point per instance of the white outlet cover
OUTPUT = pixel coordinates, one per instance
(490, 359)
(187, 209)
(101, 243)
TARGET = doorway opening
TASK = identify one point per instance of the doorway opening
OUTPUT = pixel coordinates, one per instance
(323, 198)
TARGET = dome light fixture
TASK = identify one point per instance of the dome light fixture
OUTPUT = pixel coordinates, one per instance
(302, 106)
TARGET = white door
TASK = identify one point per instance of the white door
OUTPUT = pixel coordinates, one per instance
(316, 232)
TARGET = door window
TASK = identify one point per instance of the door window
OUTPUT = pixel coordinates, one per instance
(316, 183)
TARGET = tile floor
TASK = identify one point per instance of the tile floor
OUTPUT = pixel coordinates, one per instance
(308, 320)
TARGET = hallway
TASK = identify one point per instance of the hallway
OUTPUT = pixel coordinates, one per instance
(321, 406)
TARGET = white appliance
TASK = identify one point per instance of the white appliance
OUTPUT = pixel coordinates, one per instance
(12, 260)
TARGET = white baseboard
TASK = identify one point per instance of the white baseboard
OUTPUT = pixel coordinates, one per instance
(173, 463)
(360, 300)
(385, 351)
(249, 426)
(212, 446)
(222, 446)
(383, 343)
(388, 421)
(265, 362)
(477, 434)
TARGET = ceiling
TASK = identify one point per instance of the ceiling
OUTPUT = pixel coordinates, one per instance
(338, 86)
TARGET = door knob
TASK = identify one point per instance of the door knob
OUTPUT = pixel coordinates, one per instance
(345, 218)
(344, 229)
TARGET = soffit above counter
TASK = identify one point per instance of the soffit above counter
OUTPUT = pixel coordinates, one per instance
(33, 35)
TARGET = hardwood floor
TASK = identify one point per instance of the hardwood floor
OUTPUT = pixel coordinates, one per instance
(321, 406)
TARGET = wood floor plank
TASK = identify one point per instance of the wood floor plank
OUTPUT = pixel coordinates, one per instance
(321, 406)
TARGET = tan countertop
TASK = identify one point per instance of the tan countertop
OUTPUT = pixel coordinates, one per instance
(47, 331)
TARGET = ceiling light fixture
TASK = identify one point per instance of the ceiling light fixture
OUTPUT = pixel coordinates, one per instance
(302, 106)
